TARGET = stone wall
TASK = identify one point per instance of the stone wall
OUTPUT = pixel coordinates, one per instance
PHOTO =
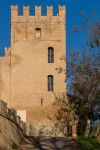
(12, 129)
(43, 129)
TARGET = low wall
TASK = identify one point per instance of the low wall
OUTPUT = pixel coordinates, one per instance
(12, 128)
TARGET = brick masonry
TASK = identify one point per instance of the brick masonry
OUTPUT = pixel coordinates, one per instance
(24, 68)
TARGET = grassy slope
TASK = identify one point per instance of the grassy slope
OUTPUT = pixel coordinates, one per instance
(88, 144)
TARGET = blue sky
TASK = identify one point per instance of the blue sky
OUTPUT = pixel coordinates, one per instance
(75, 41)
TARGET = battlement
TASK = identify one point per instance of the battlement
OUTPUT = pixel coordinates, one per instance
(14, 10)
(38, 11)
(26, 11)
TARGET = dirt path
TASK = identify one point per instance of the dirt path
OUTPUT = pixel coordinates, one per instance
(49, 143)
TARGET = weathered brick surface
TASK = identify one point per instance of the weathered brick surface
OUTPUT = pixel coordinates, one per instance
(25, 67)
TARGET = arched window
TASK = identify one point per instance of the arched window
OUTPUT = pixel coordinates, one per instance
(50, 83)
(50, 55)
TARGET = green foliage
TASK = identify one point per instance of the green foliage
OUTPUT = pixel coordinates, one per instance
(88, 144)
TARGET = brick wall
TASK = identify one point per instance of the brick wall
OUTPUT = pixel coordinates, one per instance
(25, 67)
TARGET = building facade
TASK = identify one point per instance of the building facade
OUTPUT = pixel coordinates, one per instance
(28, 72)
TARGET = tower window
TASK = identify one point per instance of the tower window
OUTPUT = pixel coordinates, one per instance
(50, 83)
(50, 55)
(38, 32)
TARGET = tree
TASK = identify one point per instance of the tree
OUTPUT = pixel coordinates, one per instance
(94, 39)
(65, 115)
(84, 74)
(89, 63)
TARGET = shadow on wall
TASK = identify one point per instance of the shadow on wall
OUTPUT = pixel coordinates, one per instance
(53, 143)
(12, 129)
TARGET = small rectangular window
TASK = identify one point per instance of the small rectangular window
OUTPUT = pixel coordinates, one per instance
(50, 83)
(50, 55)
(38, 32)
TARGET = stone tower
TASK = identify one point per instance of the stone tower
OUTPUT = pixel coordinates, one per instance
(29, 77)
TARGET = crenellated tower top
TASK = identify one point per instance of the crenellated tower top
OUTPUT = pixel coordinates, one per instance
(25, 25)
(38, 11)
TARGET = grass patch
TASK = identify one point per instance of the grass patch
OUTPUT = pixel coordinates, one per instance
(88, 144)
